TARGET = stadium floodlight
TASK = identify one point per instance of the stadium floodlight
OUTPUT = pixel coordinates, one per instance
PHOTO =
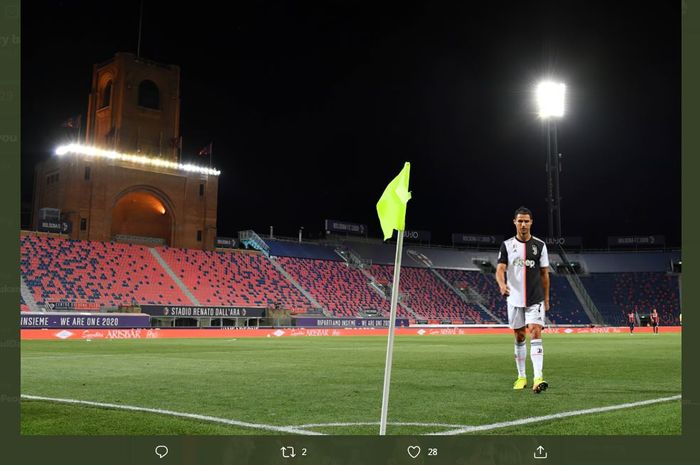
(96, 152)
(550, 103)
(550, 99)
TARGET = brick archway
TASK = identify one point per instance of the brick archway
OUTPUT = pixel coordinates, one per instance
(142, 213)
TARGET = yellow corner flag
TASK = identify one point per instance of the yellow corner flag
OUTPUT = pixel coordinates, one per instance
(392, 205)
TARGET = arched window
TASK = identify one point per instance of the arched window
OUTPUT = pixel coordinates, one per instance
(149, 96)
(106, 95)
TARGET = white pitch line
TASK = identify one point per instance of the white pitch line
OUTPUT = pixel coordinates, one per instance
(300, 428)
(282, 429)
(376, 423)
(555, 416)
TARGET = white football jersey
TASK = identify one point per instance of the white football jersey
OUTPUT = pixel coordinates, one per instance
(524, 261)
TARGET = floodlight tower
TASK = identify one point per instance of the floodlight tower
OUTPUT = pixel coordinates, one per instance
(550, 103)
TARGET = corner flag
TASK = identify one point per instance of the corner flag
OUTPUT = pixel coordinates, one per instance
(392, 205)
(392, 215)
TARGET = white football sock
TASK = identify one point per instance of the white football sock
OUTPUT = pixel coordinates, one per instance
(537, 356)
(520, 354)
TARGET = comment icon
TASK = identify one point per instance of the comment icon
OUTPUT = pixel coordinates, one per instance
(161, 451)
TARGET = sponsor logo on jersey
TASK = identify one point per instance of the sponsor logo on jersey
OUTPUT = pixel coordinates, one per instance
(520, 262)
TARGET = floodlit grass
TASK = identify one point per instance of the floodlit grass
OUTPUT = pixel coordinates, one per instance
(455, 380)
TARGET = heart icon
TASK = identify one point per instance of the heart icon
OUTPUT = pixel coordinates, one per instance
(413, 451)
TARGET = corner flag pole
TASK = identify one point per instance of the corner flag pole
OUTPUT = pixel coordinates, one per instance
(391, 209)
(390, 343)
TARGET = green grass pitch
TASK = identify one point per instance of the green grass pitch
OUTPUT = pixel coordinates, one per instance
(437, 381)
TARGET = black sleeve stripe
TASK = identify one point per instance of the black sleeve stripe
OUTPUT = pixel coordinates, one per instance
(503, 254)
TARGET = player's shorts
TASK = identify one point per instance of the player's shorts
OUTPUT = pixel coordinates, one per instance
(519, 317)
(654, 324)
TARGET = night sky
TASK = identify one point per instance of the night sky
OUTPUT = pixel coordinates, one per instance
(312, 110)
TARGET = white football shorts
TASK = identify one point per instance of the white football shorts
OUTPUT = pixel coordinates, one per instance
(519, 317)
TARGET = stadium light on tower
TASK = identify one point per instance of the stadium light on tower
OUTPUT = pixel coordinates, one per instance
(95, 152)
(550, 97)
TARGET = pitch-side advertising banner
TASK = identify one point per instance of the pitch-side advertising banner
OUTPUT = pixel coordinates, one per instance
(158, 333)
(78, 320)
(191, 311)
(349, 322)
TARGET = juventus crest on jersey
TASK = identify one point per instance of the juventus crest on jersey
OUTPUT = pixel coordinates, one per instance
(524, 261)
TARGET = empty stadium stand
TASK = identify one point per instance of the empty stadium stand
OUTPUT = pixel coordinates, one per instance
(617, 293)
(340, 288)
(565, 307)
(428, 296)
(105, 274)
(102, 273)
(233, 279)
(485, 285)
